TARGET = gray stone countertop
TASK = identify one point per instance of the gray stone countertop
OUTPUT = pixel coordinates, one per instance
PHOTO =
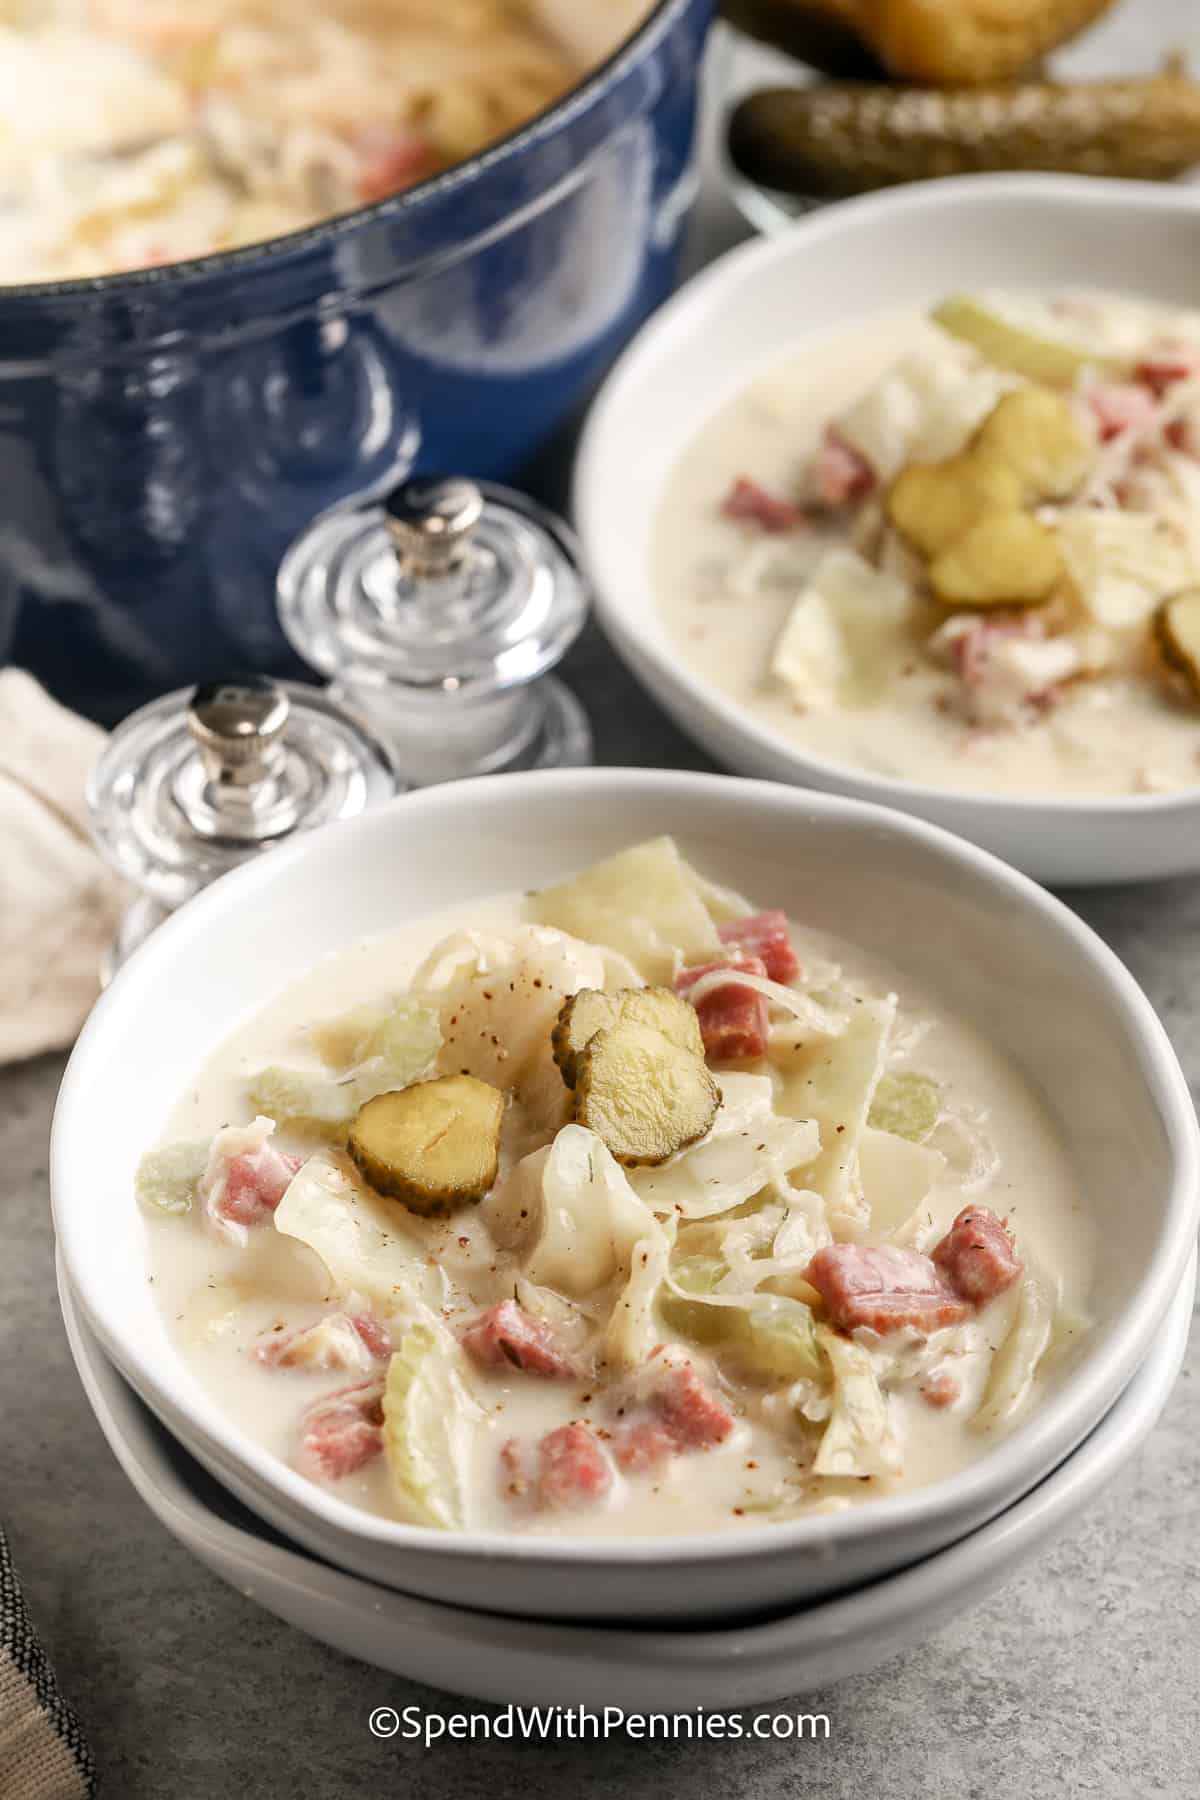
(1080, 1678)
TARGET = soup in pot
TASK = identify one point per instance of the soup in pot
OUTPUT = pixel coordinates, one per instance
(139, 132)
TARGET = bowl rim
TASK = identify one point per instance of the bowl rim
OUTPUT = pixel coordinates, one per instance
(1062, 1419)
(579, 97)
(719, 284)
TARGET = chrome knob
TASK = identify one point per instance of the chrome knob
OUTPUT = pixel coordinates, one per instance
(239, 726)
(431, 523)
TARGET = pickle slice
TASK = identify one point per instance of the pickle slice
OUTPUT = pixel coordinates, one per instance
(933, 504)
(1007, 559)
(1177, 630)
(1056, 362)
(590, 1011)
(433, 1146)
(1038, 436)
(642, 1095)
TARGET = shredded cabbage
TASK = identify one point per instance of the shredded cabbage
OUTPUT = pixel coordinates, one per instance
(897, 1176)
(591, 1217)
(750, 1147)
(1015, 1363)
(643, 902)
(970, 1156)
(777, 1340)
(168, 1180)
(844, 636)
(543, 1303)
(836, 1083)
(426, 1408)
(694, 1276)
(1122, 564)
(512, 1211)
(773, 1335)
(345, 1041)
(498, 994)
(859, 1438)
(391, 1048)
(361, 1239)
(748, 1240)
(906, 1104)
(632, 1333)
(923, 409)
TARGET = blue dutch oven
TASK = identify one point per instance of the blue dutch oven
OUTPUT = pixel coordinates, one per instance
(165, 434)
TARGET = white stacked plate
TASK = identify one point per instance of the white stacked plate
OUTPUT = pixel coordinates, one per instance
(493, 1657)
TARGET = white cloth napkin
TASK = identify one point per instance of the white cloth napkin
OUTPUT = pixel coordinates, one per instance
(59, 905)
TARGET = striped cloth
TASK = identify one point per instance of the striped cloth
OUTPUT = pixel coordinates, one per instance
(43, 1752)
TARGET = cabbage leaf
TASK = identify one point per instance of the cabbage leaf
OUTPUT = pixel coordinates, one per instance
(923, 409)
(907, 1104)
(777, 1340)
(1015, 1363)
(632, 1330)
(897, 1176)
(835, 1083)
(593, 1231)
(644, 902)
(1121, 564)
(361, 1238)
(846, 634)
(859, 1438)
(591, 1217)
(168, 1180)
(427, 1411)
(393, 1047)
(750, 1147)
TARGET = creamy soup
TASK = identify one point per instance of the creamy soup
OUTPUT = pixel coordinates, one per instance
(138, 132)
(794, 1237)
(960, 549)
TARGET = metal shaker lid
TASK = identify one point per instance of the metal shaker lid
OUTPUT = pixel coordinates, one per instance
(203, 779)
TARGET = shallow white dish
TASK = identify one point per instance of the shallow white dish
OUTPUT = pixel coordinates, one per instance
(903, 248)
(991, 945)
(519, 1660)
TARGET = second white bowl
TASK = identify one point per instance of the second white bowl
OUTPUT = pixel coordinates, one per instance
(904, 248)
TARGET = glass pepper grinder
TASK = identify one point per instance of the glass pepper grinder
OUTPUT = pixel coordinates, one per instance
(203, 779)
(437, 615)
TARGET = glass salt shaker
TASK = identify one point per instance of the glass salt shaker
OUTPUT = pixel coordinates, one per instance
(437, 615)
(204, 779)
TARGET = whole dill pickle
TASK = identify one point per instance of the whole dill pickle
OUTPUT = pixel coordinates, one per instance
(840, 138)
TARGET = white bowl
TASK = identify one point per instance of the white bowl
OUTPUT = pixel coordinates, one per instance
(994, 946)
(531, 1663)
(903, 248)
